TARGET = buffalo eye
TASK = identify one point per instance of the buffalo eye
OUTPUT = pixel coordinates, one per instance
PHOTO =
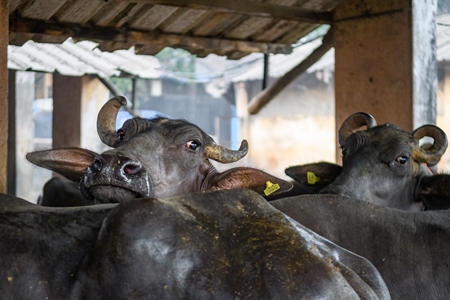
(192, 145)
(344, 151)
(121, 134)
(401, 160)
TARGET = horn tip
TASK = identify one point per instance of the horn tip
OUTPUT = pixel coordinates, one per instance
(244, 146)
(121, 100)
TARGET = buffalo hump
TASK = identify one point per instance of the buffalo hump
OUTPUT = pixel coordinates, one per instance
(229, 244)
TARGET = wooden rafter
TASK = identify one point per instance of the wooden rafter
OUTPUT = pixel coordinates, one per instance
(251, 8)
(113, 38)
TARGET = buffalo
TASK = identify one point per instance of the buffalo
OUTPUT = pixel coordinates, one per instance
(60, 192)
(227, 244)
(157, 157)
(410, 249)
(384, 165)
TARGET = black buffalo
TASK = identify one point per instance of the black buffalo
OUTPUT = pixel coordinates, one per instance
(58, 192)
(384, 165)
(410, 249)
(214, 245)
(152, 158)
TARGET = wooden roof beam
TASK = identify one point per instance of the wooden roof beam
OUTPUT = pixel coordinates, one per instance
(265, 96)
(123, 38)
(251, 8)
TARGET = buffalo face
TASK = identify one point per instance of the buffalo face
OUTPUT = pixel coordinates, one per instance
(382, 164)
(152, 158)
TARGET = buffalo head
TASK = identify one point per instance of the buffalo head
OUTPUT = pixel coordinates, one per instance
(382, 164)
(158, 157)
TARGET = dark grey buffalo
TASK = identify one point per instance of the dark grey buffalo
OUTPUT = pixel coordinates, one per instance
(215, 245)
(152, 158)
(384, 165)
(410, 249)
(58, 192)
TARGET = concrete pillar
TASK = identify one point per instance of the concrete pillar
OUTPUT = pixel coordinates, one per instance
(386, 61)
(11, 161)
(24, 133)
(4, 40)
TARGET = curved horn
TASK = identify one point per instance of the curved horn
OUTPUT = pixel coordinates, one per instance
(222, 154)
(106, 120)
(433, 154)
(353, 122)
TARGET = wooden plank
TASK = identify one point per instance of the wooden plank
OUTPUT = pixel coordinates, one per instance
(108, 14)
(80, 11)
(276, 30)
(248, 27)
(153, 17)
(183, 20)
(130, 14)
(14, 4)
(41, 9)
(216, 23)
(252, 8)
(264, 97)
(3, 92)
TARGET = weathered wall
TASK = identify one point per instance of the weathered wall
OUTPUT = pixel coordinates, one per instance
(443, 112)
(296, 127)
(94, 95)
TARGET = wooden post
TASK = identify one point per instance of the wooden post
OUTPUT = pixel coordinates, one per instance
(66, 111)
(4, 40)
(385, 61)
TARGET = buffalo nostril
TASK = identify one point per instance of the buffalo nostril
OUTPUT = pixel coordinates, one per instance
(131, 168)
(97, 164)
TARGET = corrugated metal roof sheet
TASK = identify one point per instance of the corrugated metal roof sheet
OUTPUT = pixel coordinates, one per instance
(77, 59)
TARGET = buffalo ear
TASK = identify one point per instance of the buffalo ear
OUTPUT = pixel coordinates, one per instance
(69, 162)
(253, 179)
(314, 177)
(435, 192)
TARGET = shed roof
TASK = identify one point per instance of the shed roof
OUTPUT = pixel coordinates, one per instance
(230, 28)
(77, 59)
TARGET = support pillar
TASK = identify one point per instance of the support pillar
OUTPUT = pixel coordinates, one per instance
(4, 40)
(386, 61)
(24, 133)
(11, 160)
(66, 129)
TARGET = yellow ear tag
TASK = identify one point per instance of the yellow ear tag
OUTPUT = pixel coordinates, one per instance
(271, 187)
(312, 178)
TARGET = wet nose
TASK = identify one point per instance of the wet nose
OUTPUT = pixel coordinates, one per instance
(108, 164)
(97, 165)
(130, 168)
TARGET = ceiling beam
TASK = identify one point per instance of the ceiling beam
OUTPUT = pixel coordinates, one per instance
(251, 8)
(123, 38)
